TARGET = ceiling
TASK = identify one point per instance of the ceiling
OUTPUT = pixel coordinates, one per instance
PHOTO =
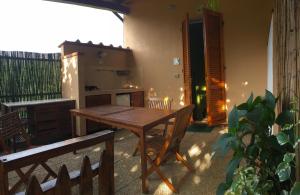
(120, 6)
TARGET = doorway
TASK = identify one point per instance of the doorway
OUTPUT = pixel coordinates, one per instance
(209, 42)
(197, 70)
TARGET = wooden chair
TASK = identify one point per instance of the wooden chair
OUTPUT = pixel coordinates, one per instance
(161, 104)
(12, 130)
(161, 148)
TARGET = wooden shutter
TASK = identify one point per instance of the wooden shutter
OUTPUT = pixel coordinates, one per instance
(214, 67)
(187, 80)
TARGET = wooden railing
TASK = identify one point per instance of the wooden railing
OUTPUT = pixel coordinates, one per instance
(104, 169)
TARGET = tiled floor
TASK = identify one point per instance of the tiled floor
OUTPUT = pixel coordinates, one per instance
(195, 146)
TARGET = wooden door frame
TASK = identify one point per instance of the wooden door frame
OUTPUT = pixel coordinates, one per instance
(187, 61)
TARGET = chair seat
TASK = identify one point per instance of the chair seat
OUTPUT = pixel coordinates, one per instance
(160, 131)
(155, 131)
(154, 144)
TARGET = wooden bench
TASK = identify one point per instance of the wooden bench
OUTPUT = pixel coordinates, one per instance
(64, 181)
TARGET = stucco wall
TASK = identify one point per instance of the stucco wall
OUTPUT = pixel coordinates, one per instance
(153, 31)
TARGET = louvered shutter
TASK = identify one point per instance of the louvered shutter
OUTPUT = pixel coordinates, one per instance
(214, 67)
(186, 62)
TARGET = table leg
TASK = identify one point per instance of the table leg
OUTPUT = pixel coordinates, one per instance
(73, 121)
(73, 126)
(143, 162)
(3, 181)
(109, 146)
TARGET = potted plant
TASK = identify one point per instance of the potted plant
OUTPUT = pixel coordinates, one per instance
(262, 162)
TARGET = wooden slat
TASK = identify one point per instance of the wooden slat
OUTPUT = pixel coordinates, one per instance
(159, 103)
(63, 182)
(187, 76)
(86, 178)
(106, 160)
(34, 187)
(214, 67)
(103, 181)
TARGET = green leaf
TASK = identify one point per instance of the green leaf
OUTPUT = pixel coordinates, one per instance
(233, 120)
(222, 188)
(255, 115)
(250, 99)
(283, 171)
(223, 144)
(252, 151)
(288, 157)
(270, 100)
(287, 127)
(285, 117)
(282, 138)
(296, 143)
(243, 106)
(232, 166)
(257, 100)
(296, 189)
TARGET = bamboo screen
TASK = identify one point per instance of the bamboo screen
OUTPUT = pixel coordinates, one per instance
(286, 57)
(29, 76)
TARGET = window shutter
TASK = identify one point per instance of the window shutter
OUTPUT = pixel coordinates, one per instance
(214, 67)
(186, 61)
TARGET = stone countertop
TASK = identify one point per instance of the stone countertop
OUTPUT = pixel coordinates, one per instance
(112, 91)
(34, 102)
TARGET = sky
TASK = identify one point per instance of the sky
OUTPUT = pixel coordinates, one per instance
(41, 26)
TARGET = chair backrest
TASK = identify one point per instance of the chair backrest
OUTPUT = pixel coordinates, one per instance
(159, 103)
(176, 133)
(11, 127)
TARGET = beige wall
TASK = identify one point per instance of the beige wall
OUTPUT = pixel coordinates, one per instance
(153, 31)
(246, 34)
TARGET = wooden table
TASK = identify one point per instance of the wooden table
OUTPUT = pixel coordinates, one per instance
(136, 119)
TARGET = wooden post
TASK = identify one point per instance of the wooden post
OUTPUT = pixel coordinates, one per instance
(63, 182)
(297, 150)
(73, 121)
(86, 177)
(33, 187)
(143, 162)
(110, 154)
(286, 38)
(3, 180)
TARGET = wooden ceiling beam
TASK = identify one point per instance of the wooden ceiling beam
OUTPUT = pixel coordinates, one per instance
(100, 4)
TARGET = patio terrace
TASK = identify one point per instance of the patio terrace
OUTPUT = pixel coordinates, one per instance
(195, 146)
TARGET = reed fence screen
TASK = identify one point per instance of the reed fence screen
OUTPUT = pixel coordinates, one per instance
(29, 76)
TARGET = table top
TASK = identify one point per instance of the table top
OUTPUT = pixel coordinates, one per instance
(35, 102)
(126, 117)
